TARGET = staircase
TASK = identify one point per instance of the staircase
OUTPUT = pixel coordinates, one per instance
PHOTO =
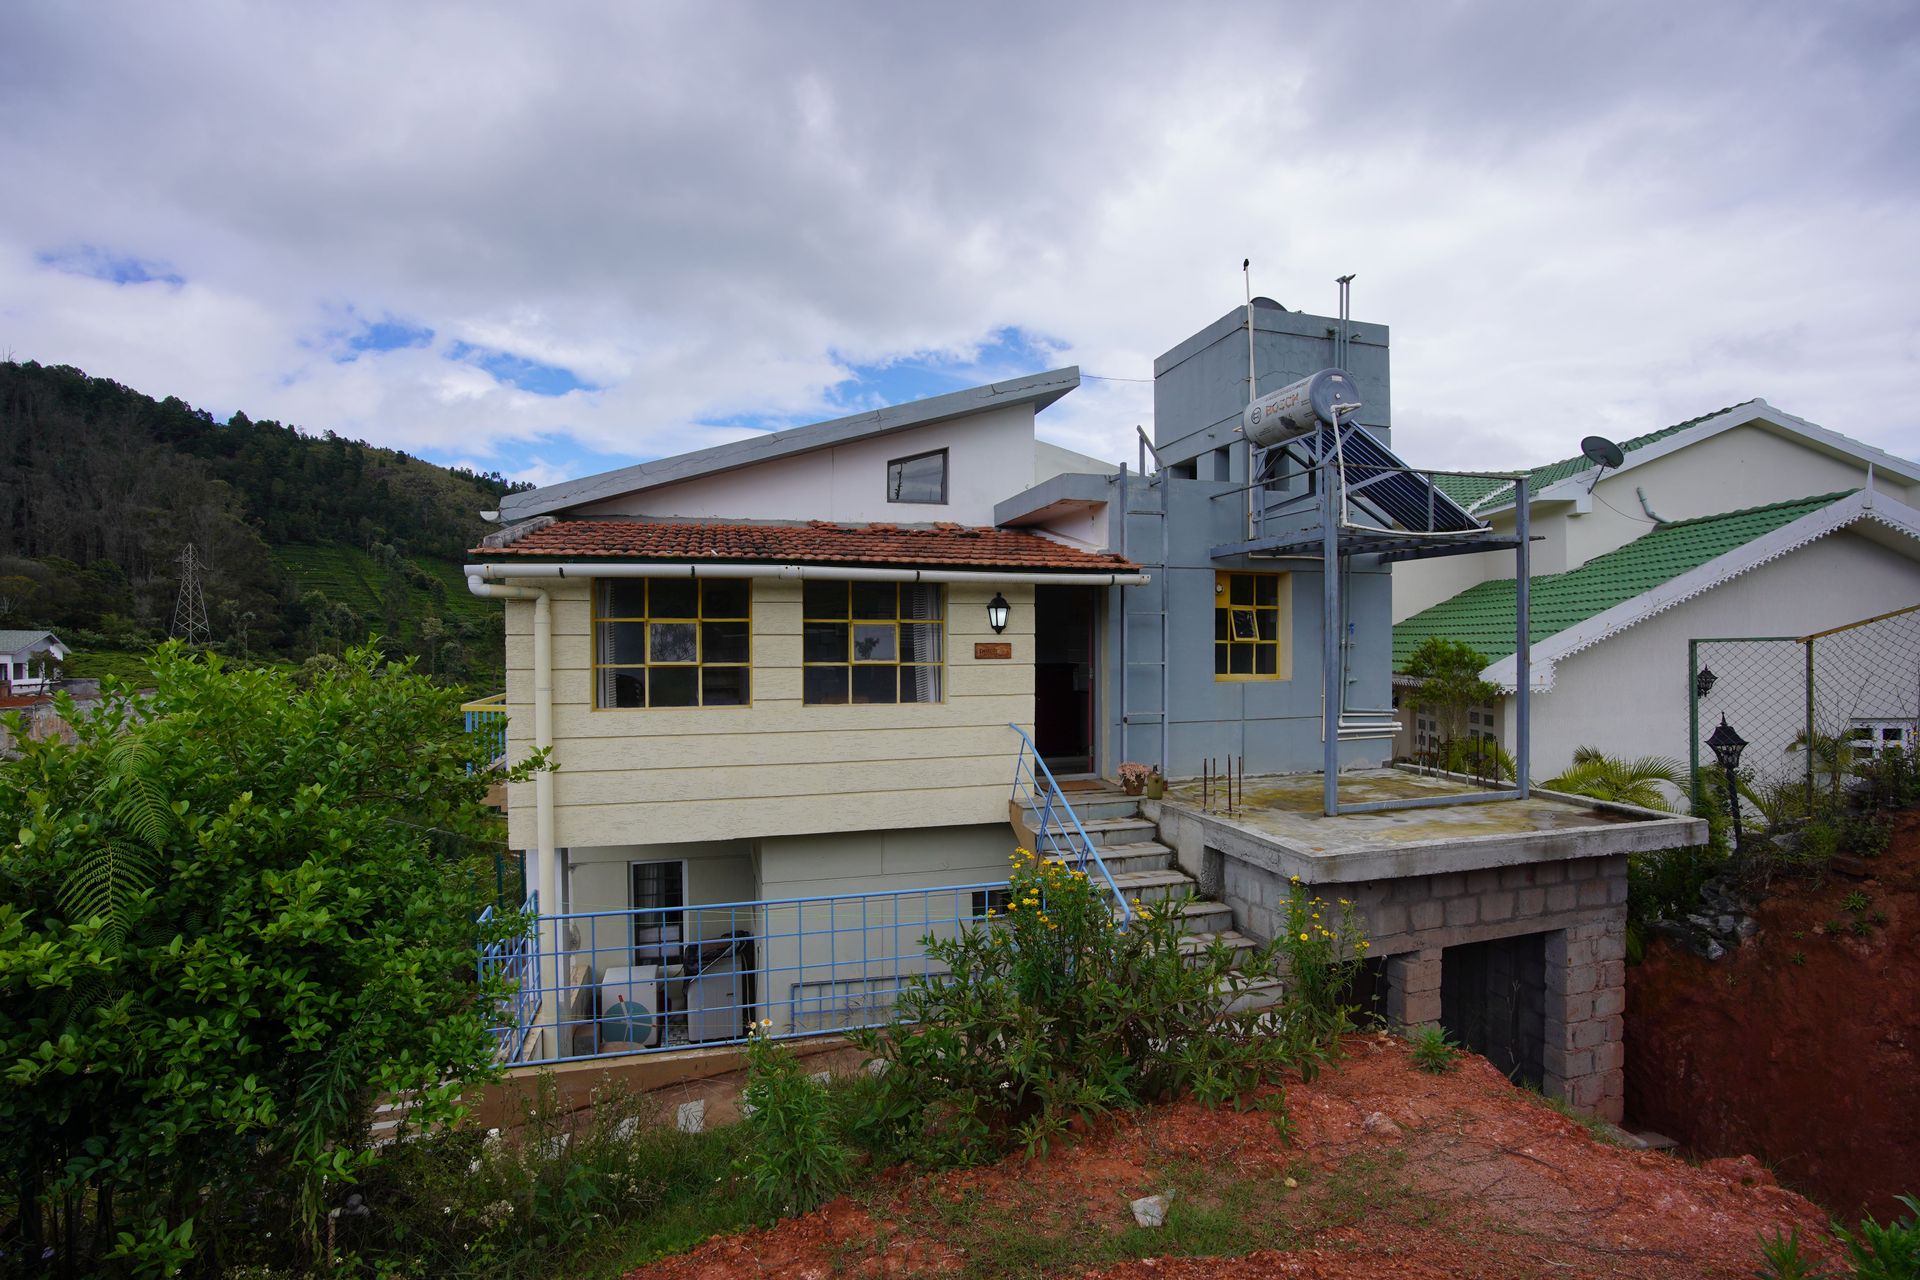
(1144, 870)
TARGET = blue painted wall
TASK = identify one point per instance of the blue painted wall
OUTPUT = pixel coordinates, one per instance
(1200, 388)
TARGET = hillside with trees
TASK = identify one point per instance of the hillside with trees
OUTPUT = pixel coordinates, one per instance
(310, 543)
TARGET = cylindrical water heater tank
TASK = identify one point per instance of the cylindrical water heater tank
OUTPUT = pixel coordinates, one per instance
(1299, 409)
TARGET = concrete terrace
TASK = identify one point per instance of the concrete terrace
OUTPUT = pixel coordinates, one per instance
(1277, 823)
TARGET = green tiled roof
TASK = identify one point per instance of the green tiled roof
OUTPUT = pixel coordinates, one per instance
(1467, 490)
(1483, 614)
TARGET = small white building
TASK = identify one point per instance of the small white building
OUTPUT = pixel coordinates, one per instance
(30, 661)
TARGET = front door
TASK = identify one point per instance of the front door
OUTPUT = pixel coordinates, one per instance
(1063, 676)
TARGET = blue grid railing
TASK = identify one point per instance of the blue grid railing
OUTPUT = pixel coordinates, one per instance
(516, 958)
(610, 983)
(1057, 831)
(486, 719)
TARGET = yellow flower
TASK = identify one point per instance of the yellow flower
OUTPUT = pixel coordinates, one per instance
(1303, 937)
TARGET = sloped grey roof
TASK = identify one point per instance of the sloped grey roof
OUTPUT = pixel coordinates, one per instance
(1039, 390)
(15, 641)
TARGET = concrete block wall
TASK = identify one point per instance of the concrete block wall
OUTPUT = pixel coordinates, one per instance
(1579, 904)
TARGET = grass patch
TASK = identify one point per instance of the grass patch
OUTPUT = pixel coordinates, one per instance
(99, 663)
(1604, 1130)
(1217, 1212)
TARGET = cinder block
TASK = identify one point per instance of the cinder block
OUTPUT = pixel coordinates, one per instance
(1483, 880)
(1610, 1056)
(1573, 980)
(1425, 915)
(1497, 905)
(1462, 911)
(1583, 869)
(1616, 889)
(1588, 1035)
(1575, 1065)
(1609, 1001)
(1613, 973)
(1593, 893)
(1546, 873)
(1449, 885)
(1561, 897)
(1384, 920)
(1530, 902)
(1516, 877)
(1585, 1091)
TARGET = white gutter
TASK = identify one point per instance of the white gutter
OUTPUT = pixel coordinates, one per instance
(811, 572)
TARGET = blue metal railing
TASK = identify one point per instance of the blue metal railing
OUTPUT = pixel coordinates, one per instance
(610, 983)
(515, 957)
(1057, 832)
(486, 719)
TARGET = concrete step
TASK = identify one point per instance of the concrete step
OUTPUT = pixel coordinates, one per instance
(1108, 831)
(1208, 917)
(1103, 804)
(1195, 943)
(1144, 855)
(1153, 886)
(1237, 996)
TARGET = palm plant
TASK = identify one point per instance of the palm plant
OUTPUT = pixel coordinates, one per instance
(1636, 782)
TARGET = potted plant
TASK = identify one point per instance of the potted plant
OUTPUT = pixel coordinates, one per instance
(1156, 784)
(1133, 777)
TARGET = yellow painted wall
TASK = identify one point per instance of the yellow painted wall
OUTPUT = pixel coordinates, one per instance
(647, 776)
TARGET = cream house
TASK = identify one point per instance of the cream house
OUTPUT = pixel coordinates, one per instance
(780, 681)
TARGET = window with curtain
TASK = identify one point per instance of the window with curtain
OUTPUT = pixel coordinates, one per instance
(873, 642)
(672, 642)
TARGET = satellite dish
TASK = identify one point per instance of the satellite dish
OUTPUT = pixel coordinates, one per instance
(1602, 452)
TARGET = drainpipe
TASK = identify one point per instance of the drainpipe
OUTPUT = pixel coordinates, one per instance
(546, 874)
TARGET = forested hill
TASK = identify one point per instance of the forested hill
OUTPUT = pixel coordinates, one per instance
(308, 542)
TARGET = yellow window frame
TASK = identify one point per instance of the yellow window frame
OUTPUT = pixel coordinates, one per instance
(698, 620)
(853, 660)
(1238, 595)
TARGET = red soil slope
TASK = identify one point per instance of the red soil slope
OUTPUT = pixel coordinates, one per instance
(1388, 1172)
(1812, 1064)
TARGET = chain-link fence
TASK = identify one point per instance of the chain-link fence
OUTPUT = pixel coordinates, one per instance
(1812, 709)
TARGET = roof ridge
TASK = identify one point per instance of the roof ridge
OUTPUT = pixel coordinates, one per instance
(1814, 499)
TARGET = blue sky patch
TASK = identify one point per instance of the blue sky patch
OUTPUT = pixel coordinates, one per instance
(388, 335)
(115, 268)
(1009, 352)
(528, 375)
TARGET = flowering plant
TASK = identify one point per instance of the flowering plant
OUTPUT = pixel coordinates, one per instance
(1065, 1004)
(1323, 946)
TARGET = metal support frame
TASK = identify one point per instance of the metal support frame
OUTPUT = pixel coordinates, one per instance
(1333, 496)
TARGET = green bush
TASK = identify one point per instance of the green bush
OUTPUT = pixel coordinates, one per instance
(462, 1202)
(1051, 1012)
(236, 916)
(1872, 1251)
(794, 1159)
(1433, 1050)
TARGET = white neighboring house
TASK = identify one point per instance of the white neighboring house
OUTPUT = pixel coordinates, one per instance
(1747, 522)
(29, 661)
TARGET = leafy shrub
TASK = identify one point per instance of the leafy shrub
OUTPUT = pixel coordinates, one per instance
(1783, 1258)
(794, 1160)
(236, 915)
(1052, 1012)
(1433, 1050)
(1322, 949)
(1891, 1252)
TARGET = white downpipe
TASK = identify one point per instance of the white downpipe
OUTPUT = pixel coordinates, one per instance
(810, 572)
(546, 869)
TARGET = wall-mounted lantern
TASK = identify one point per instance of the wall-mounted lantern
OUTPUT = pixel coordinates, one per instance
(1727, 746)
(1703, 683)
(997, 613)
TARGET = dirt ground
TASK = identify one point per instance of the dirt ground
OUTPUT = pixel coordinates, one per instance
(1803, 1045)
(1376, 1170)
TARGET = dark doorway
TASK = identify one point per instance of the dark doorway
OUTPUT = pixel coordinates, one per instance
(1063, 676)
(1493, 1000)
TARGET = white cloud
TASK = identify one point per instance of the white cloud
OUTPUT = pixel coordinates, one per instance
(1578, 220)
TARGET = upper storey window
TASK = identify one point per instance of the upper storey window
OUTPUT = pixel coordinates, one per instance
(921, 478)
(671, 642)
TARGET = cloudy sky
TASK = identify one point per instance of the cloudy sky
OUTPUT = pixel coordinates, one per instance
(549, 238)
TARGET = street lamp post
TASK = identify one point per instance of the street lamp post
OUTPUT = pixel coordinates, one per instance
(1727, 746)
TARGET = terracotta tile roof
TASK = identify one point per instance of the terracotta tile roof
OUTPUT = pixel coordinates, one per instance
(818, 542)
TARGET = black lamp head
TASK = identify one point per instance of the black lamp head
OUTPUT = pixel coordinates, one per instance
(997, 613)
(1727, 745)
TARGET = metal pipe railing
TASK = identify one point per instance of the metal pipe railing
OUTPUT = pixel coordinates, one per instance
(1035, 790)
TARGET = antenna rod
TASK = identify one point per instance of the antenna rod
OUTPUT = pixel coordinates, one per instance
(1253, 387)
